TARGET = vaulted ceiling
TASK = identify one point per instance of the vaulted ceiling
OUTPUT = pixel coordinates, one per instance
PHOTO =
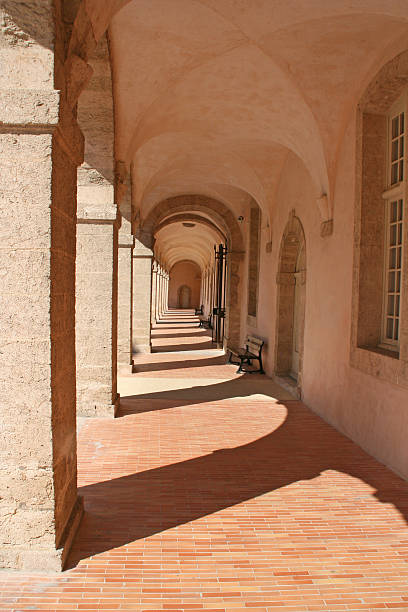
(215, 94)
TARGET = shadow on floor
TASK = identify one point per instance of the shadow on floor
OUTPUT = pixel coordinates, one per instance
(125, 509)
(179, 365)
(243, 386)
(195, 346)
(202, 333)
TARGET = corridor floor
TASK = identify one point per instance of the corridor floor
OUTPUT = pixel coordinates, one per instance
(213, 491)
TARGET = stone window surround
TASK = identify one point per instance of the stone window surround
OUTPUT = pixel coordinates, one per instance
(292, 243)
(366, 352)
(253, 263)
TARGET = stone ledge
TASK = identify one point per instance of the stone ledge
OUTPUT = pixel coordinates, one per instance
(29, 108)
(99, 410)
(141, 251)
(289, 384)
(97, 213)
(126, 241)
(380, 365)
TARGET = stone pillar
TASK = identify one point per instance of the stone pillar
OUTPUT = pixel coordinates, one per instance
(163, 291)
(233, 315)
(166, 295)
(142, 295)
(40, 149)
(160, 291)
(125, 282)
(96, 310)
(154, 291)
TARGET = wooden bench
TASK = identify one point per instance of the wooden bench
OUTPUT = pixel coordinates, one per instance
(205, 322)
(251, 352)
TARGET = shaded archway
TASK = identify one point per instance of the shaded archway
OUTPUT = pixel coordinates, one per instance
(291, 293)
(220, 216)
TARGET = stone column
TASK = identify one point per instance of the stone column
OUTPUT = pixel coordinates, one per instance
(166, 295)
(96, 309)
(159, 291)
(40, 149)
(154, 291)
(125, 282)
(163, 291)
(142, 295)
(233, 314)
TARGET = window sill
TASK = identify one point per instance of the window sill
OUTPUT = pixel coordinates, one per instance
(382, 350)
(393, 192)
(380, 363)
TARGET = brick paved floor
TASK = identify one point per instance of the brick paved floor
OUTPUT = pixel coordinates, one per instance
(215, 492)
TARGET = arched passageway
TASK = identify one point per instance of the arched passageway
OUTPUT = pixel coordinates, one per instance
(135, 137)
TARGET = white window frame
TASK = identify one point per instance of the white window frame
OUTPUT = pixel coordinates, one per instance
(394, 193)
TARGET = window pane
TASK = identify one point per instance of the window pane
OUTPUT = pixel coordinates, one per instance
(396, 326)
(401, 147)
(399, 257)
(394, 173)
(391, 282)
(394, 151)
(392, 264)
(395, 130)
(399, 210)
(390, 330)
(398, 282)
(390, 309)
(393, 235)
(402, 117)
(399, 233)
(394, 211)
(401, 171)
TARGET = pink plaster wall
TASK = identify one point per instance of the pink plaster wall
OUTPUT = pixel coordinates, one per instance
(185, 273)
(371, 411)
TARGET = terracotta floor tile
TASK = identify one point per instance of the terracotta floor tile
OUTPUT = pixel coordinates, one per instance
(213, 491)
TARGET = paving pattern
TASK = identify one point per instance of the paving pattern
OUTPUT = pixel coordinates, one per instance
(217, 492)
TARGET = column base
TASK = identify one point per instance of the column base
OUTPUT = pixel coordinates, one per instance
(99, 410)
(125, 368)
(46, 559)
(142, 349)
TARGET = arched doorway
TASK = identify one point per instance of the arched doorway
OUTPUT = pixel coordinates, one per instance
(184, 297)
(291, 281)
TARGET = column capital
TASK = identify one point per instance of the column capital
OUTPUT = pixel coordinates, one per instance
(126, 241)
(97, 213)
(140, 251)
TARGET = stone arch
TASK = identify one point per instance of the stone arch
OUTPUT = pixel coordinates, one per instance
(221, 215)
(190, 217)
(291, 280)
(224, 219)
